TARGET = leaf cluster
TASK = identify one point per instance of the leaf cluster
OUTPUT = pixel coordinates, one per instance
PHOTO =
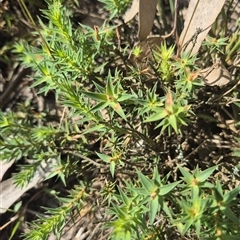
(127, 107)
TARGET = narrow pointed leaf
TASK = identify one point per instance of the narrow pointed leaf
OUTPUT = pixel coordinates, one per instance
(229, 213)
(104, 157)
(100, 106)
(154, 205)
(206, 173)
(173, 121)
(157, 116)
(96, 96)
(188, 177)
(117, 108)
(146, 182)
(228, 197)
(167, 188)
(112, 168)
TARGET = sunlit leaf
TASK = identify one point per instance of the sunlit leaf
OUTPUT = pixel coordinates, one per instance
(167, 188)
(173, 122)
(146, 182)
(117, 108)
(112, 167)
(206, 174)
(104, 157)
(96, 96)
(154, 205)
(162, 113)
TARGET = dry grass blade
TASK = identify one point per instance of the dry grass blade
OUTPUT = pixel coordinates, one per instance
(216, 75)
(10, 193)
(147, 10)
(4, 166)
(131, 12)
(200, 16)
